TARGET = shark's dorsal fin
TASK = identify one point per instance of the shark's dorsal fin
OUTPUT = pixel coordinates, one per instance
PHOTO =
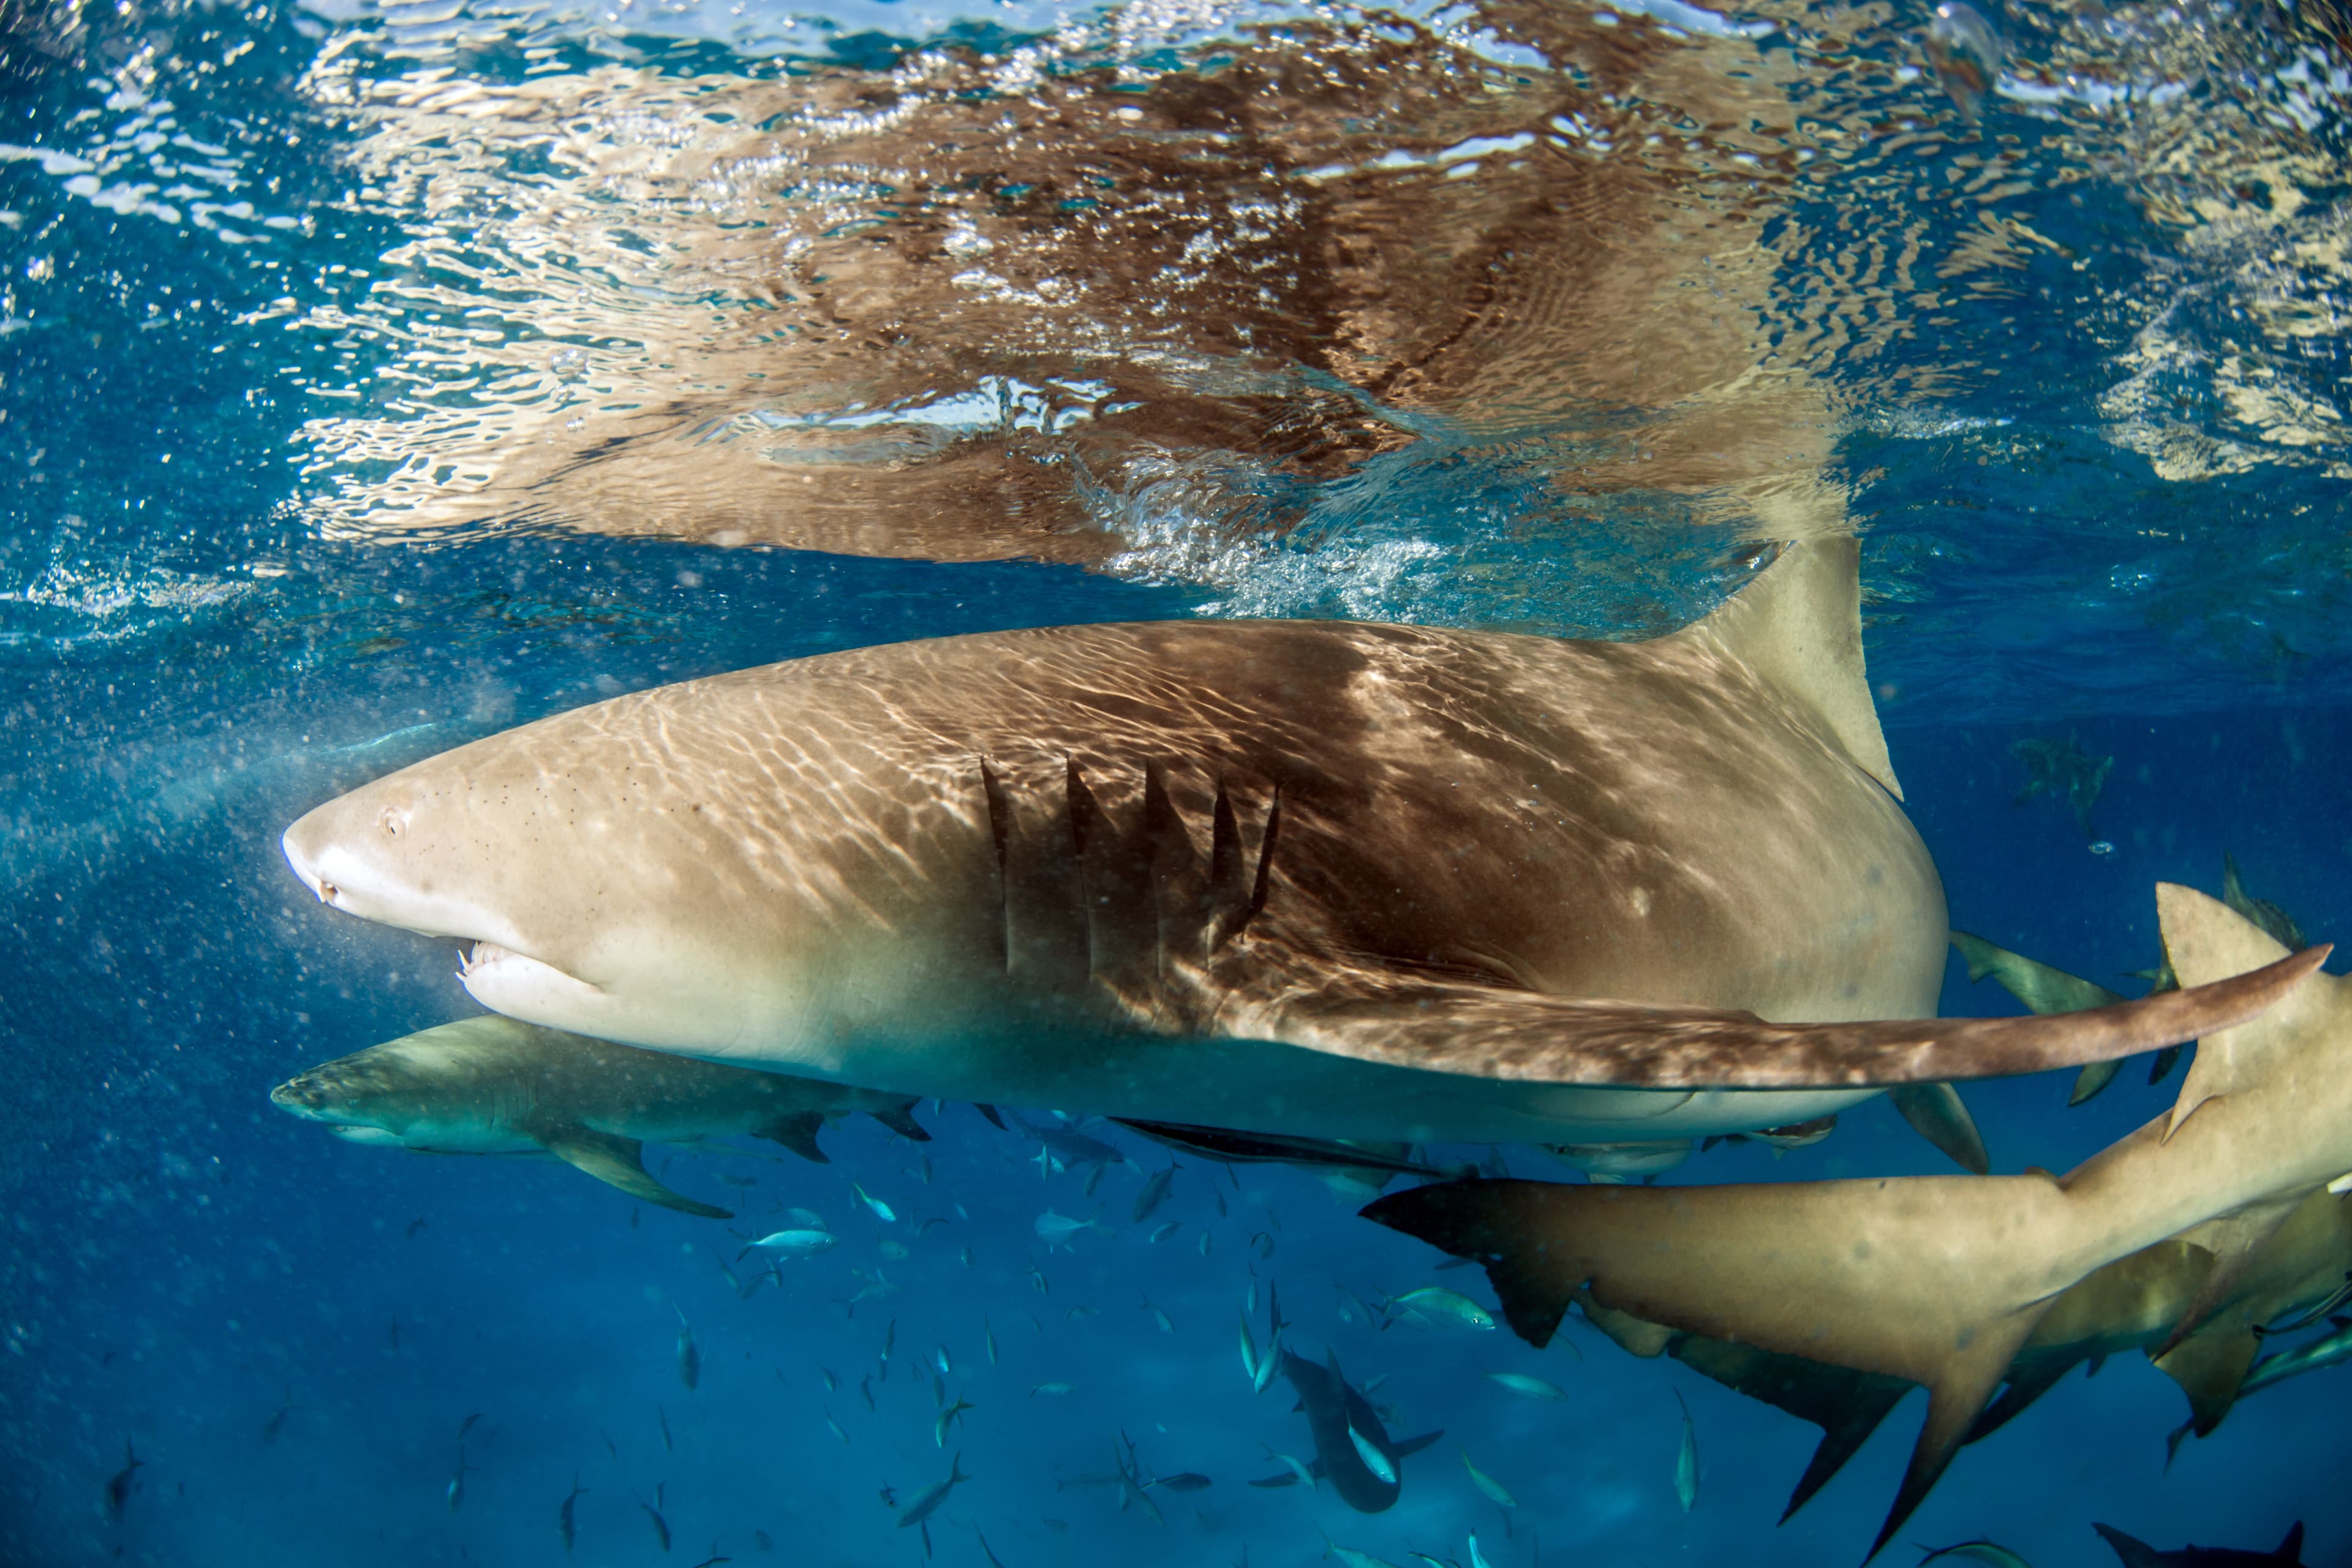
(618, 1161)
(1798, 624)
(2205, 940)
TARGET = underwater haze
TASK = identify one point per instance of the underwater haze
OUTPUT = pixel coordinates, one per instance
(379, 376)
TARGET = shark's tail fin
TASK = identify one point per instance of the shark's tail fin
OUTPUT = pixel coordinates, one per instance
(1797, 625)
(1920, 1281)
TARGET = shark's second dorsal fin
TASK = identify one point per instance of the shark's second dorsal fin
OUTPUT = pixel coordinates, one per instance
(2206, 940)
(1798, 624)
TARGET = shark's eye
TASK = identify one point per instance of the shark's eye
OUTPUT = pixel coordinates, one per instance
(392, 820)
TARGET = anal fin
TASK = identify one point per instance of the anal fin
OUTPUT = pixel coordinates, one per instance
(900, 1118)
(797, 1130)
(2026, 1385)
(2233, 1240)
(2209, 1368)
(619, 1162)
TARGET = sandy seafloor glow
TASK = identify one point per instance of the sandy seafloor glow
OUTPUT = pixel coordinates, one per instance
(2103, 497)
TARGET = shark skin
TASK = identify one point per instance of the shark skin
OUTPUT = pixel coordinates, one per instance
(1332, 881)
(489, 1085)
(2131, 1304)
(1941, 1280)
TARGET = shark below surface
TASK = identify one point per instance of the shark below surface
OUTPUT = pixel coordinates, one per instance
(1940, 1281)
(494, 1085)
(2133, 1304)
(2139, 1554)
(1377, 883)
(1348, 1436)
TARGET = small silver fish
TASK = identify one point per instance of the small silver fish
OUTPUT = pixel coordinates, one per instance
(1528, 1387)
(1056, 1229)
(1435, 1305)
(689, 1356)
(563, 1516)
(796, 1242)
(1686, 1461)
(1374, 1461)
(1487, 1484)
(1154, 1194)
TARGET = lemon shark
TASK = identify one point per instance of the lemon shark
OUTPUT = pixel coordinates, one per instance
(1941, 1282)
(2133, 1304)
(1332, 879)
(493, 1085)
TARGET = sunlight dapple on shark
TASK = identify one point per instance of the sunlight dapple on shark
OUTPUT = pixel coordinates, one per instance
(1332, 879)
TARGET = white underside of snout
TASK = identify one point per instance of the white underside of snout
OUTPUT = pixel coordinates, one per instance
(442, 1138)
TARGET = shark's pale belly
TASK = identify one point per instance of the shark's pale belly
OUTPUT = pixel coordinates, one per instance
(1259, 1087)
(1246, 1085)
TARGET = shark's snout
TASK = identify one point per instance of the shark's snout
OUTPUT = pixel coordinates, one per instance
(304, 1097)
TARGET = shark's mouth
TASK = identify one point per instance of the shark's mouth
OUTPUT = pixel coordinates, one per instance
(522, 986)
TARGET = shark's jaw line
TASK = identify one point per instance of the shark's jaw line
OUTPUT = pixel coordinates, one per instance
(532, 989)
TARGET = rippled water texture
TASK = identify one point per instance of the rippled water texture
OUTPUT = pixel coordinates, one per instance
(1447, 315)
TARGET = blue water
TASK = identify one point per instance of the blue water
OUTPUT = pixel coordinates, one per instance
(2075, 367)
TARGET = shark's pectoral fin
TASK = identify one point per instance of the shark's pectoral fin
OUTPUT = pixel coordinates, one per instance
(1498, 1032)
(1954, 1402)
(1413, 1446)
(1226, 1143)
(2026, 1385)
(797, 1130)
(1936, 1113)
(1847, 1406)
(619, 1161)
(2209, 1368)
